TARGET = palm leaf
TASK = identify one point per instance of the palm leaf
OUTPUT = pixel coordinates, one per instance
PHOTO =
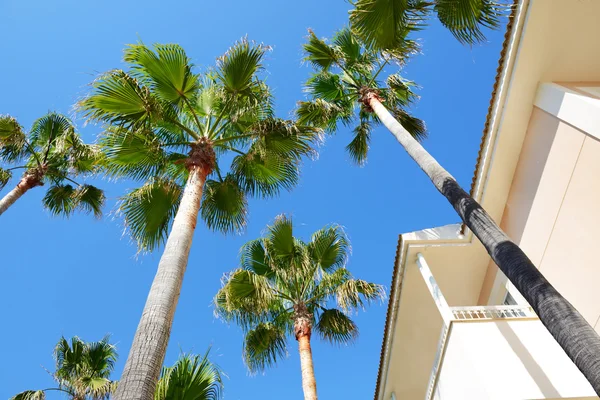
(5, 176)
(329, 248)
(384, 24)
(224, 205)
(335, 327)
(65, 200)
(117, 98)
(30, 395)
(12, 139)
(264, 174)
(236, 70)
(149, 211)
(465, 18)
(254, 258)
(320, 54)
(264, 346)
(353, 294)
(358, 148)
(167, 69)
(327, 86)
(413, 125)
(49, 128)
(191, 378)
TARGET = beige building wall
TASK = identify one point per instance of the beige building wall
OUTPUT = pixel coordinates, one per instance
(511, 359)
(553, 212)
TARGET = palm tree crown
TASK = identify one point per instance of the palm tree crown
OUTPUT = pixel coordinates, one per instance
(384, 24)
(191, 378)
(346, 74)
(286, 286)
(82, 370)
(162, 119)
(51, 153)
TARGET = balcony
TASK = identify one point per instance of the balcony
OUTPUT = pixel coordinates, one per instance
(444, 352)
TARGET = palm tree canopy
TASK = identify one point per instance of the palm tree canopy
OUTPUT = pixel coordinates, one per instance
(345, 72)
(82, 370)
(281, 276)
(159, 110)
(191, 378)
(51, 153)
(384, 24)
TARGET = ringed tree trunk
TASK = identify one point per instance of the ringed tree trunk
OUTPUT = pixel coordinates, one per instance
(302, 330)
(147, 352)
(577, 338)
(30, 180)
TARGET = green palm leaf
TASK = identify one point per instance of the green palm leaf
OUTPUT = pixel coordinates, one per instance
(327, 86)
(167, 70)
(359, 146)
(224, 205)
(119, 99)
(465, 18)
(49, 128)
(30, 395)
(329, 248)
(236, 70)
(319, 53)
(264, 346)
(149, 211)
(335, 327)
(65, 200)
(5, 176)
(191, 378)
(254, 258)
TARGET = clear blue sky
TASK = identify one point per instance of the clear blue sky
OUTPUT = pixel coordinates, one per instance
(81, 277)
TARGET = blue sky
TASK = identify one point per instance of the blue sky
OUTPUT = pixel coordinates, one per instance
(81, 277)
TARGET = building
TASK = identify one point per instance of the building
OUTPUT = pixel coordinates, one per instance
(455, 328)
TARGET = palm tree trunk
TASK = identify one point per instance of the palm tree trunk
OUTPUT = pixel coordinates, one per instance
(577, 338)
(24, 185)
(147, 353)
(303, 330)
(309, 384)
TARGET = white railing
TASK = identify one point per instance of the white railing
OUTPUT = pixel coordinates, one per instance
(478, 313)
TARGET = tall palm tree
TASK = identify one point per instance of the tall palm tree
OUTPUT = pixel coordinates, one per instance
(82, 371)
(347, 77)
(200, 144)
(191, 378)
(284, 287)
(383, 24)
(51, 152)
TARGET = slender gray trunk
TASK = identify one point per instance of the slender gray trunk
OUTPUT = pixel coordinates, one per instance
(577, 338)
(147, 353)
(14, 195)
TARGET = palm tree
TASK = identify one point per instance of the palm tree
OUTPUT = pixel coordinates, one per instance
(52, 152)
(191, 378)
(285, 286)
(177, 132)
(383, 24)
(82, 371)
(347, 75)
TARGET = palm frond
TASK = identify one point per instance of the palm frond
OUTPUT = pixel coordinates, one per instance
(358, 148)
(49, 128)
(117, 98)
(265, 174)
(327, 86)
(64, 199)
(264, 346)
(355, 293)
(30, 395)
(136, 154)
(336, 327)
(149, 211)
(400, 91)
(317, 52)
(329, 248)
(224, 205)
(167, 70)
(237, 69)
(5, 176)
(12, 139)
(384, 24)
(466, 18)
(254, 258)
(280, 238)
(415, 126)
(191, 378)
